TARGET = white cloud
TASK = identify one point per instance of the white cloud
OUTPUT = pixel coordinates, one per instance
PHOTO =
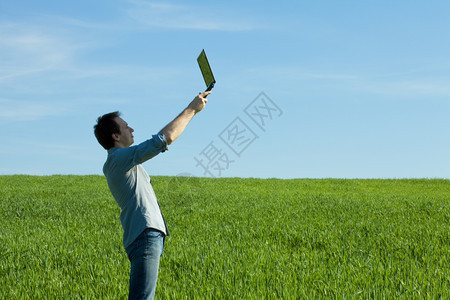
(25, 49)
(405, 85)
(171, 16)
(32, 49)
(418, 87)
(16, 111)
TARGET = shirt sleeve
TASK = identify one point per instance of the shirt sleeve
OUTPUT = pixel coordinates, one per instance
(150, 148)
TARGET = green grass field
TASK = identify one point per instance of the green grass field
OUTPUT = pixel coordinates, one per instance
(60, 238)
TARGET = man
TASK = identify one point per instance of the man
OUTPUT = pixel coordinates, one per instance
(144, 228)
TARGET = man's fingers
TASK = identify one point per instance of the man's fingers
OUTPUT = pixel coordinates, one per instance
(204, 94)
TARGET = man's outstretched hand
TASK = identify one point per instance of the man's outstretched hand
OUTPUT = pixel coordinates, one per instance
(199, 102)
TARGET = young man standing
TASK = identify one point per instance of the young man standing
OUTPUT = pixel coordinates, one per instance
(144, 228)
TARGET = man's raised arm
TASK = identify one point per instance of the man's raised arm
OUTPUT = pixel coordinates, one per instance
(174, 129)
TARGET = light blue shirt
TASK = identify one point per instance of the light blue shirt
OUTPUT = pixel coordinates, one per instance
(131, 187)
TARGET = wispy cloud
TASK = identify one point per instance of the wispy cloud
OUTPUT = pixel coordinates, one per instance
(418, 87)
(404, 85)
(32, 49)
(174, 16)
(17, 111)
(26, 49)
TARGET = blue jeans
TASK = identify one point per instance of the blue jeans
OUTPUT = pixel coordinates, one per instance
(144, 254)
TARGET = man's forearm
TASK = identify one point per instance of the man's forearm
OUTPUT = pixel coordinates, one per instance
(174, 129)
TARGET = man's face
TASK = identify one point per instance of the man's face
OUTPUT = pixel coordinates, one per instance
(125, 137)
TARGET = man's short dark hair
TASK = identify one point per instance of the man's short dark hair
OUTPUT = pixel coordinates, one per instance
(104, 129)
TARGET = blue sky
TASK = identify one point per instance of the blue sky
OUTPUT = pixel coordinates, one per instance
(305, 89)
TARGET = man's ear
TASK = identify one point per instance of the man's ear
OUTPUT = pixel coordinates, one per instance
(115, 137)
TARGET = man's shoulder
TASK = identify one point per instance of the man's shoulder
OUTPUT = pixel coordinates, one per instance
(119, 160)
(117, 152)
